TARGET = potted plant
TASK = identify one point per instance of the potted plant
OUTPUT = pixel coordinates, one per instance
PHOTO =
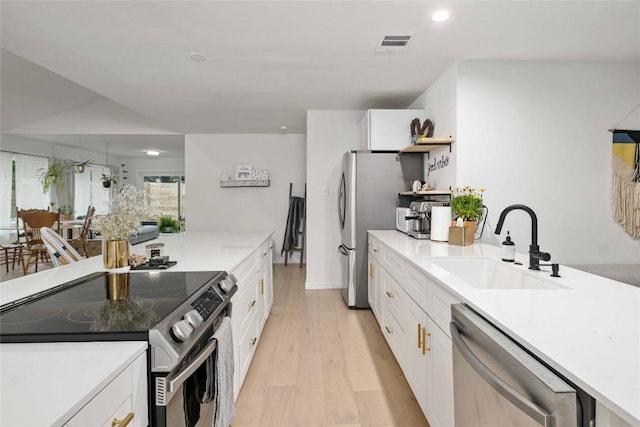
(66, 214)
(107, 180)
(52, 175)
(467, 205)
(168, 224)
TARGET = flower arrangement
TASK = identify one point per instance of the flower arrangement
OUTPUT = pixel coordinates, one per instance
(467, 204)
(126, 209)
(123, 315)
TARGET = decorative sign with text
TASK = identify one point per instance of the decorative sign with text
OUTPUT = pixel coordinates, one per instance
(437, 163)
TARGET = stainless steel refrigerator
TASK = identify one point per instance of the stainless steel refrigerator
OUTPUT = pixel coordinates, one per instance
(367, 198)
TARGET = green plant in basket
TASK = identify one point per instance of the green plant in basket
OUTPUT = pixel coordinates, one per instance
(167, 222)
(467, 204)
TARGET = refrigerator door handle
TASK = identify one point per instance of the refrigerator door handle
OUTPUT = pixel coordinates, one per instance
(342, 202)
(536, 413)
(343, 250)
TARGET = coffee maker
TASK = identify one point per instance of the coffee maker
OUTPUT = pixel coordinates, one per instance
(420, 219)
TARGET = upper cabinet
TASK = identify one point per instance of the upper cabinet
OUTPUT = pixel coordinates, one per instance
(387, 129)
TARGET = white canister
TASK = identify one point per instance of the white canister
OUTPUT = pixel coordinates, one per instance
(440, 223)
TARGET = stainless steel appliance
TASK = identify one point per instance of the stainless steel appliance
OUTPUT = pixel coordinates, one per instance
(420, 214)
(177, 313)
(367, 197)
(499, 384)
(402, 223)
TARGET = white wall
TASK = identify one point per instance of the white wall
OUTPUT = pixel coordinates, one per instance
(536, 133)
(440, 103)
(329, 135)
(210, 207)
(138, 167)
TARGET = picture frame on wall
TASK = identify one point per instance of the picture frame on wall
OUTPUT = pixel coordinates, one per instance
(243, 170)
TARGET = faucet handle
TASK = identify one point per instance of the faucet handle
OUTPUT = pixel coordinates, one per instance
(555, 269)
(542, 256)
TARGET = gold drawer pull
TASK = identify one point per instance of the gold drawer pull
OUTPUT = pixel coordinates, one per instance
(124, 422)
(372, 270)
(261, 286)
(389, 330)
(375, 250)
(251, 305)
(424, 341)
(264, 253)
(253, 341)
(389, 294)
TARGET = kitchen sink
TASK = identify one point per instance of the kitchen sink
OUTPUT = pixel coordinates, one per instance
(484, 273)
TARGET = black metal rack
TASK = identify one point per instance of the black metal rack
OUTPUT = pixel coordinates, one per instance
(295, 228)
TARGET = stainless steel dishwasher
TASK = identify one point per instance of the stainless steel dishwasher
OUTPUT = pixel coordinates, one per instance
(499, 384)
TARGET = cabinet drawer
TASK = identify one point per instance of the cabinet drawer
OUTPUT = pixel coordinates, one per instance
(392, 333)
(439, 306)
(375, 247)
(247, 345)
(395, 265)
(417, 285)
(394, 297)
(246, 303)
(246, 268)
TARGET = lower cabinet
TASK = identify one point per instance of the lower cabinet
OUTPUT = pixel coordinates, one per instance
(415, 331)
(123, 400)
(251, 305)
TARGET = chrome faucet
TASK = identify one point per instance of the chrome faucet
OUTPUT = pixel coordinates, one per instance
(535, 255)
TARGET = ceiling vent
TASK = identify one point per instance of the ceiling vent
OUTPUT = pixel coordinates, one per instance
(394, 44)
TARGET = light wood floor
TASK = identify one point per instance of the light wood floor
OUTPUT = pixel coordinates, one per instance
(320, 364)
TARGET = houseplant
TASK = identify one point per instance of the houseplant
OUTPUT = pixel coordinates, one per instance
(168, 224)
(52, 175)
(107, 180)
(467, 206)
(126, 208)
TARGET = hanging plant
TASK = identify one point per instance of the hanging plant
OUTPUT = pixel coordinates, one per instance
(107, 180)
(80, 166)
(52, 175)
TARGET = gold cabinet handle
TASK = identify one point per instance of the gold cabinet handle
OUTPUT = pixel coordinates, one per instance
(264, 253)
(375, 250)
(389, 330)
(419, 335)
(124, 422)
(261, 286)
(251, 304)
(253, 341)
(389, 294)
(425, 334)
(372, 270)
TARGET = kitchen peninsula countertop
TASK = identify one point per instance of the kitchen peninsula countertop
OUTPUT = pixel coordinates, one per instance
(588, 331)
(29, 371)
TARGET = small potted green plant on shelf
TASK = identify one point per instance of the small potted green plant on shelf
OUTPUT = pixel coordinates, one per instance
(168, 224)
(107, 180)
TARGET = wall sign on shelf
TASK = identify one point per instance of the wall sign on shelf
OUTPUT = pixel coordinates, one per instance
(245, 175)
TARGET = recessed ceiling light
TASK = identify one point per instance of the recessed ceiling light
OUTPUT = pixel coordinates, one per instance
(198, 57)
(153, 153)
(439, 16)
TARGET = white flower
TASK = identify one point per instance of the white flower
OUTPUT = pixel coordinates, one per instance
(126, 209)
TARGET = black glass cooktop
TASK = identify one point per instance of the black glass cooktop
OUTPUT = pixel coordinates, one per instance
(120, 306)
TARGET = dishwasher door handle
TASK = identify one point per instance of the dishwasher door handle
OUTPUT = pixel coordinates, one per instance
(538, 414)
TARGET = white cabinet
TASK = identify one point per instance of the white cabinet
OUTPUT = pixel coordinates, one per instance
(375, 276)
(387, 129)
(251, 305)
(604, 417)
(414, 318)
(124, 398)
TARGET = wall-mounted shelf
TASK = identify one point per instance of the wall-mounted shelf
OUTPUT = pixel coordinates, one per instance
(427, 144)
(426, 193)
(245, 183)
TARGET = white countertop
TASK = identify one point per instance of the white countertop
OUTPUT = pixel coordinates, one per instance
(41, 384)
(588, 332)
(48, 386)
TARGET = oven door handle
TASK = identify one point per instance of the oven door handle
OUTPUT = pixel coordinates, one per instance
(175, 382)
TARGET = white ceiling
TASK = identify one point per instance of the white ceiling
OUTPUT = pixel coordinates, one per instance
(271, 61)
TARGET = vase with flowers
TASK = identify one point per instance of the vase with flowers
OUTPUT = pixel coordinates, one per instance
(126, 208)
(467, 206)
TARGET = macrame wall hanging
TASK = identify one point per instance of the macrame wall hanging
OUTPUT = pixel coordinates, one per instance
(625, 185)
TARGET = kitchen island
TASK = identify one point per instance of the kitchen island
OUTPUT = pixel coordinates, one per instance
(71, 367)
(584, 326)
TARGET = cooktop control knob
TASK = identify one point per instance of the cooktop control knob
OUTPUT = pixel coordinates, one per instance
(181, 330)
(193, 318)
(227, 283)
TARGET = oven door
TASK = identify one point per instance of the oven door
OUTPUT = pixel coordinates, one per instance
(178, 394)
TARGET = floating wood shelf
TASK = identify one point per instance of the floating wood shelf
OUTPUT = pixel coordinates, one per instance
(427, 144)
(426, 193)
(245, 183)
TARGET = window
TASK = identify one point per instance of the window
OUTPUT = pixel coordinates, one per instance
(165, 195)
(19, 184)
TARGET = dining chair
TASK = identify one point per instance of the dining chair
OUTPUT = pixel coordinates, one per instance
(60, 251)
(80, 244)
(10, 253)
(33, 220)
